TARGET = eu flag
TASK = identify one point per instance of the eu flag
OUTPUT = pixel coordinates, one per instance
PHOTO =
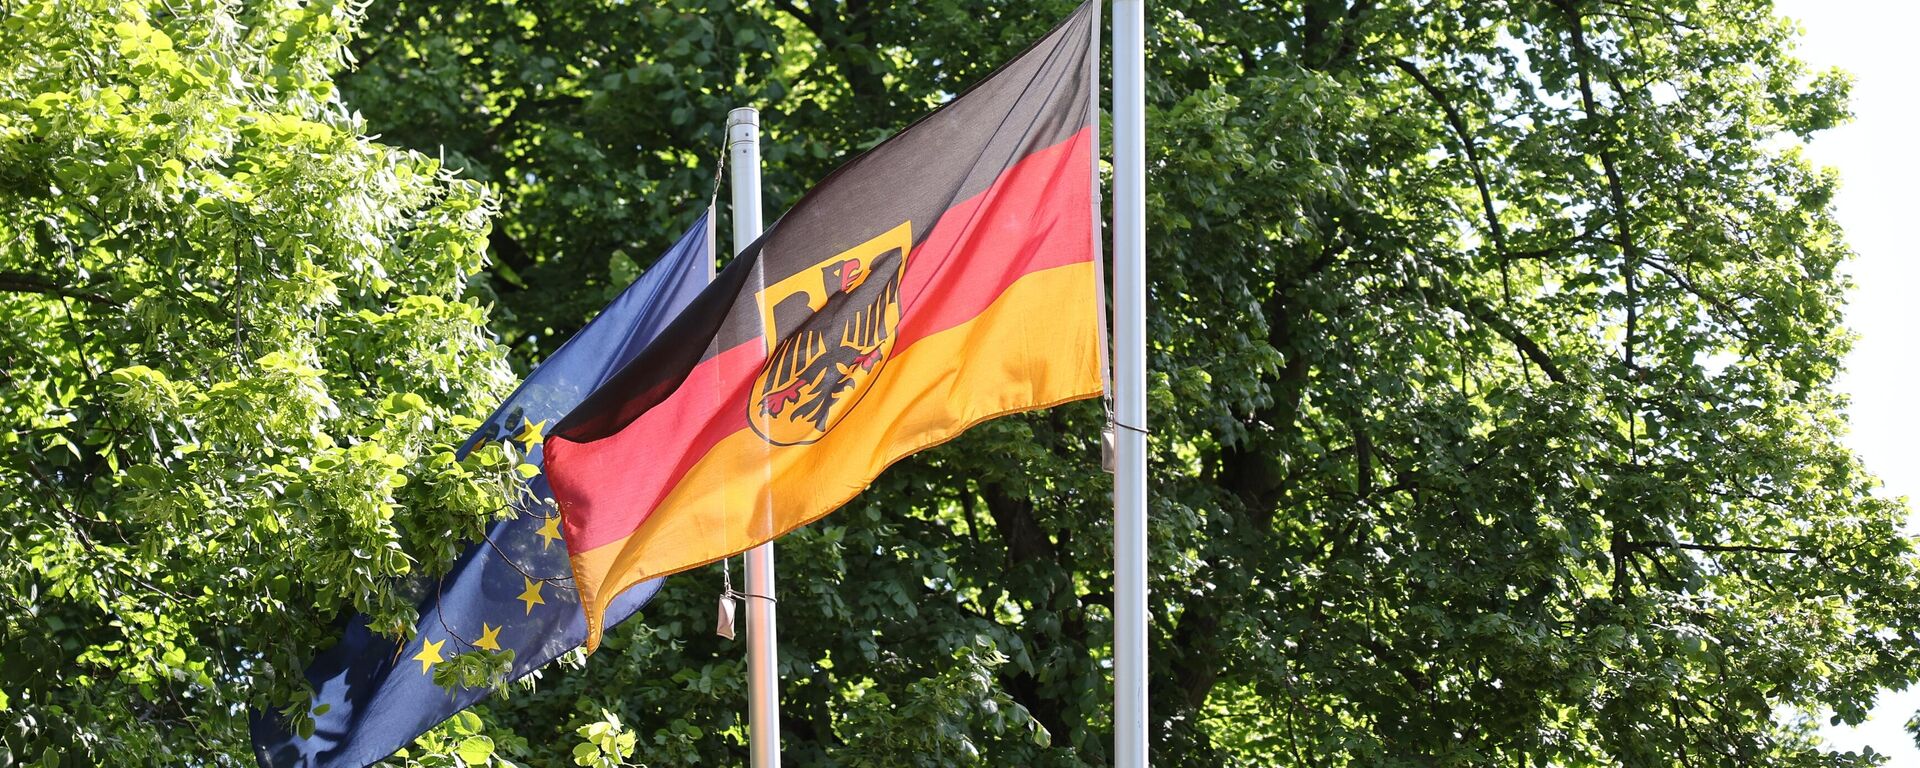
(513, 591)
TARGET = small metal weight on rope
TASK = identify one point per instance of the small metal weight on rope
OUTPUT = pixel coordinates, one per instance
(1107, 449)
(725, 626)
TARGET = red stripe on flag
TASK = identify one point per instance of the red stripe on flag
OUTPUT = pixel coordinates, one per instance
(1037, 215)
(630, 471)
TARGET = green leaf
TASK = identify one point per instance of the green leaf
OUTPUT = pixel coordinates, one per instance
(475, 750)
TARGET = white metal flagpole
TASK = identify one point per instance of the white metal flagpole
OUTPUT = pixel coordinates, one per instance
(1130, 384)
(763, 676)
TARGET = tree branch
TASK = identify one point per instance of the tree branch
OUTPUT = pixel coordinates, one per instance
(1495, 232)
(838, 33)
(1013, 517)
(1527, 346)
(22, 282)
(1616, 192)
(1657, 544)
(1467, 147)
(796, 12)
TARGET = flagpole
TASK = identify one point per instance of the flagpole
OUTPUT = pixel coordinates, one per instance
(763, 675)
(1130, 385)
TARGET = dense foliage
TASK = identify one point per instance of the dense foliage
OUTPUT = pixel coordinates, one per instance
(236, 357)
(1492, 406)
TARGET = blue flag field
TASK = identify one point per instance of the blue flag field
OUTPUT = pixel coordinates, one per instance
(511, 592)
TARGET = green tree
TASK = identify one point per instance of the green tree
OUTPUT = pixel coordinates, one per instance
(1492, 407)
(237, 353)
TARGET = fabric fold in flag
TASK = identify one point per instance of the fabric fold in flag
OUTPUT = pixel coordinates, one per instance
(513, 592)
(945, 277)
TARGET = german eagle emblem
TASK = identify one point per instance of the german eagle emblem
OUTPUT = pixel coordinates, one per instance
(834, 325)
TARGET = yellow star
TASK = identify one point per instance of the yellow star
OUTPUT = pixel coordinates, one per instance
(429, 654)
(531, 434)
(531, 596)
(489, 637)
(549, 531)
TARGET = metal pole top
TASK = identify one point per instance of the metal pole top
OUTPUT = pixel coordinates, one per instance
(743, 124)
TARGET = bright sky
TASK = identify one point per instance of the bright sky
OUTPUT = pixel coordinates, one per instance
(1872, 39)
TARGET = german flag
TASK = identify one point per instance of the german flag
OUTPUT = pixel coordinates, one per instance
(943, 278)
